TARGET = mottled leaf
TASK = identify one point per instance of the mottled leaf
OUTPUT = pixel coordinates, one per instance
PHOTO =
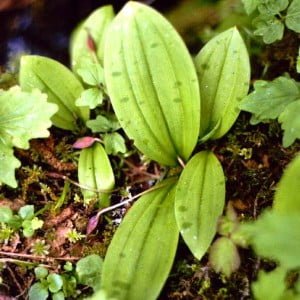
(224, 256)
(143, 248)
(292, 19)
(224, 75)
(59, 83)
(23, 116)
(94, 26)
(269, 27)
(152, 83)
(199, 201)
(269, 99)
(286, 199)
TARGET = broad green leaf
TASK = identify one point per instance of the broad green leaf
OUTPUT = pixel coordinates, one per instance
(142, 250)
(38, 291)
(88, 270)
(6, 214)
(224, 256)
(23, 116)
(269, 99)
(91, 97)
(59, 83)
(103, 124)
(224, 74)
(152, 83)
(270, 285)
(272, 7)
(92, 74)
(292, 19)
(96, 26)
(55, 282)
(199, 201)
(36, 223)
(286, 199)
(275, 235)
(290, 123)
(40, 272)
(251, 5)
(269, 27)
(26, 212)
(58, 296)
(114, 143)
(95, 172)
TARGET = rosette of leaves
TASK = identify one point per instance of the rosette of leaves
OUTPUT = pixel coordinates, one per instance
(23, 116)
(154, 89)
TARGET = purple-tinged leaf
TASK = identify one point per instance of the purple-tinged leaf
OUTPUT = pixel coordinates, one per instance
(84, 142)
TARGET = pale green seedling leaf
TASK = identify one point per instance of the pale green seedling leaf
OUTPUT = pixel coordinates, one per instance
(40, 272)
(103, 124)
(59, 83)
(199, 201)
(269, 99)
(91, 97)
(36, 223)
(270, 285)
(92, 74)
(251, 5)
(96, 26)
(55, 282)
(38, 291)
(224, 256)
(143, 248)
(269, 28)
(23, 116)
(58, 296)
(275, 236)
(224, 74)
(114, 143)
(88, 270)
(26, 212)
(6, 214)
(290, 123)
(271, 7)
(152, 83)
(286, 199)
(292, 19)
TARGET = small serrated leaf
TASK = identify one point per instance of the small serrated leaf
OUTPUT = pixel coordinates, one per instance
(104, 124)
(269, 27)
(224, 256)
(292, 19)
(270, 98)
(114, 143)
(91, 97)
(199, 201)
(143, 247)
(92, 74)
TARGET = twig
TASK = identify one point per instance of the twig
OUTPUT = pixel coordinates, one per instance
(14, 279)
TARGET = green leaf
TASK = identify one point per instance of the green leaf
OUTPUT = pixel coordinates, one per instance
(92, 74)
(36, 223)
(114, 143)
(55, 282)
(40, 272)
(28, 231)
(276, 236)
(286, 199)
(199, 201)
(152, 83)
(292, 19)
(290, 123)
(88, 270)
(270, 285)
(95, 171)
(6, 214)
(23, 116)
(269, 27)
(96, 25)
(271, 7)
(26, 212)
(269, 99)
(38, 292)
(58, 296)
(103, 124)
(143, 248)
(91, 97)
(251, 5)
(224, 256)
(59, 83)
(224, 75)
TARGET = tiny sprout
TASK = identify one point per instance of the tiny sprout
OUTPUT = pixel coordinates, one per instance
(73, 236)
(40, 248)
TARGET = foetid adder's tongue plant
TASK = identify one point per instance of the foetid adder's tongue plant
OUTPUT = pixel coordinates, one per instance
(154, 88)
